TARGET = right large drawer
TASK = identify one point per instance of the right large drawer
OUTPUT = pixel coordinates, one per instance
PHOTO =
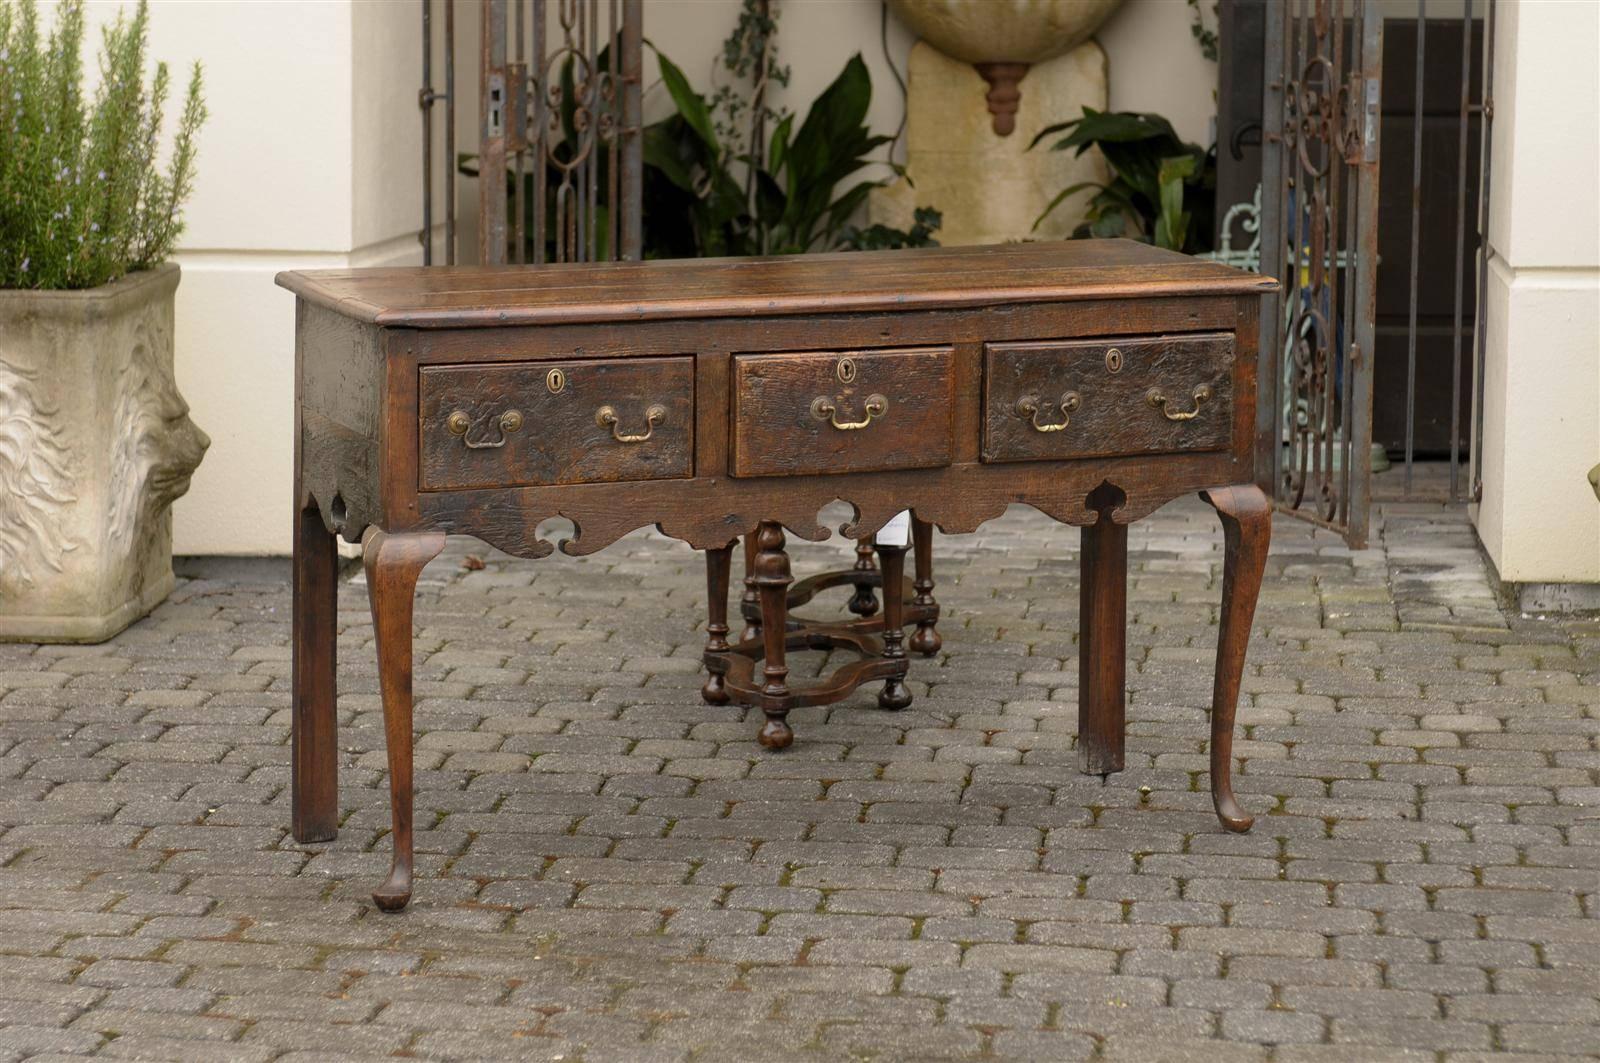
(1058, 399)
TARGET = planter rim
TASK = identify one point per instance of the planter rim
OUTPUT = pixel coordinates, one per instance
(84, 303)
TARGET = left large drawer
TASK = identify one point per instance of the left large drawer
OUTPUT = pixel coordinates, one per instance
(540, 423)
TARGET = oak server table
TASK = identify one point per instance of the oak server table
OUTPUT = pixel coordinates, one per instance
(1094, 380)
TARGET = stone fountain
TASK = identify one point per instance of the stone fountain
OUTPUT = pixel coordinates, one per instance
(984, 78)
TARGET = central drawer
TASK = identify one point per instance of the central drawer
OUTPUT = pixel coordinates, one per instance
(811, 412)
(540, 423)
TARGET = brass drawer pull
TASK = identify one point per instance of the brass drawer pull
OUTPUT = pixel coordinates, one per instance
(1155, 398)
(824, 410)
(606, 417)
(1028, 408)
(459, 424)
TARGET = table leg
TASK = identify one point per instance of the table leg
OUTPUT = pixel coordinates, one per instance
(393, 563)
(751, 597)
(1247, 531)
(772, 579)
(1102, 646)
(892, 563)
(864, 602)
(719, 562)
(313, 716)
(926, 641)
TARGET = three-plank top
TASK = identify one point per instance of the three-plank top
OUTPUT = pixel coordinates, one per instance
(924, 279)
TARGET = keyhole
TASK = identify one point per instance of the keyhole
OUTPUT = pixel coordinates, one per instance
(1113, 361)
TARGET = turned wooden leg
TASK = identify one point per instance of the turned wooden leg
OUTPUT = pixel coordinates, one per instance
(719, 562)
(393, 563)
(751, 599)
(1247, 531)
(772, 580)
(926, 640)
(865, 602)
(313, 719)
(1102, 646)
(892, 563)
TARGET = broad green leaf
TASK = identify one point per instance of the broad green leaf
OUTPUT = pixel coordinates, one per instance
(1061, 195)
(778, 149)
(691, 105)
(1172, 223)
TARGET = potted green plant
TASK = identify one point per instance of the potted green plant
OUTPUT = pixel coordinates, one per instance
(1163, 190)
(95, 441)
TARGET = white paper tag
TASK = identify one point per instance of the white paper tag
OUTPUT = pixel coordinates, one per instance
(897, 532)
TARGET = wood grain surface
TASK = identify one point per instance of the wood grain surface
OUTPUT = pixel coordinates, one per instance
(922, 278)
(560, 439)
(788, 410)
(1109, 381)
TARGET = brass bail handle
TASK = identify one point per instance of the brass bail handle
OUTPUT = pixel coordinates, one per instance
(823, 409)
(1029, 408)
(459, 424)
(1156, 398)
(606, 417)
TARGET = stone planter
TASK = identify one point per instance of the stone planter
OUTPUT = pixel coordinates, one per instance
(95, 444)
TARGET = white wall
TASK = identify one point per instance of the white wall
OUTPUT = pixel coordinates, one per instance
(311, 159)
(1538, 518)
(1154, 61)
(308, 160)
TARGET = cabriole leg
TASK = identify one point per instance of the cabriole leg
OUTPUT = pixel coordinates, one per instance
(1247, 532)
(393, 563)
(313, 715)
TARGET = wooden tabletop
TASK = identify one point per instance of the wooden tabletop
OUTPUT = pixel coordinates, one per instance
(924, 278)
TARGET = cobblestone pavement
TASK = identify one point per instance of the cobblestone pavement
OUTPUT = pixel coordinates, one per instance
(611, 870)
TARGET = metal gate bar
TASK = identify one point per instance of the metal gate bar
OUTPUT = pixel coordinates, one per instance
(1467, 110)
(1319, 232)
(426, 99)
(1485, 109)
(1319, 226)
(561, 120)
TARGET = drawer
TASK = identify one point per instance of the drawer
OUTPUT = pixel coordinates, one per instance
(539, 423)
(1053, 400)
(841, 411)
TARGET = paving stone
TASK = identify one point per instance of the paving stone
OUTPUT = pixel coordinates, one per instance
(609, 868)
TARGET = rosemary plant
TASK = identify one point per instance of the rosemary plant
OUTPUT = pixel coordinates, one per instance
(83, 197)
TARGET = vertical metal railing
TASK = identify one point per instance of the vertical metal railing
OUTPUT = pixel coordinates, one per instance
(427, 98)
(561, 123)
(1467, 110)
(1320, 223)
(560, 155)
(1485, 109)
(1319, 238)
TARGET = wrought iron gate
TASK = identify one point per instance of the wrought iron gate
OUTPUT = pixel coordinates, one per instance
(1323, 104)
(1319, 221)
(560, 106)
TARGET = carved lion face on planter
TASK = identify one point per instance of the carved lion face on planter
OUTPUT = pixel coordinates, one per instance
(157, 446)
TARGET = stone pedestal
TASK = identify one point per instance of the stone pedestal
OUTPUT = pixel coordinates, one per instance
(990, 188)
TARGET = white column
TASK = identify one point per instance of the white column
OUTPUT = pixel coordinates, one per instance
(310, 159)
(1539, 519)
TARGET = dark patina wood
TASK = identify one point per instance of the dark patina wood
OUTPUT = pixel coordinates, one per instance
(385, 358)
(841, 411)
(556, 423)
(1102, 637)
(1116, 396)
